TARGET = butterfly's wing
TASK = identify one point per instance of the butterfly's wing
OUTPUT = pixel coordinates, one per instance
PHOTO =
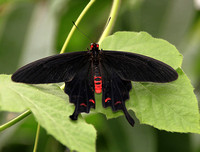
(81, 91)
(118, 69)
(115, 91)
(136, 67)
(53, 69)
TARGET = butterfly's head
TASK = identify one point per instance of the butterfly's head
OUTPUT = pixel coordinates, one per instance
(94, 46)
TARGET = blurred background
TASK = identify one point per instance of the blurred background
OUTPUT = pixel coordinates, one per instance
(32, 29)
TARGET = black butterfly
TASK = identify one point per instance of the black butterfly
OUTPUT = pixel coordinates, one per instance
(86, 72)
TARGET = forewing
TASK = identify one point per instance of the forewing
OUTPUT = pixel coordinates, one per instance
(135, 67)
(81, 91)
(52, 69)
(115, 91)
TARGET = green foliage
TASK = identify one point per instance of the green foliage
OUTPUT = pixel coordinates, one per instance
(170, 106)
(145, 44)
(21, 41)
(13, 43)
(10, 1)
(48, 104)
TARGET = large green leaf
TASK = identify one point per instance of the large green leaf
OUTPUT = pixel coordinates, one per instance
(145, 44)
(49, 106)
(170, 106)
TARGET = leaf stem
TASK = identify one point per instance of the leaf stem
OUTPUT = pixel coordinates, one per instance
(74, 27)
(113, 15)
(15, 120)
(37, 138)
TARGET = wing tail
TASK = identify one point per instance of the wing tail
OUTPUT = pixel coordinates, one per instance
(127, 115)
(115, 92)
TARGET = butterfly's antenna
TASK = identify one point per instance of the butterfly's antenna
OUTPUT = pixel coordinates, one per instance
(82, 32)
(107, 23)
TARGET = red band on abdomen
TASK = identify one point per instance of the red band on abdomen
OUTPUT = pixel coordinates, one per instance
(98, 84)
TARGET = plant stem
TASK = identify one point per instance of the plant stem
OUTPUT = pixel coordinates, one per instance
(15, 120)
(37, 138)
(74, 27)
(113, 15)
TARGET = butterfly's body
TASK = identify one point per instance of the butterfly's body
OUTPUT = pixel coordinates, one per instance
(96, 71)
(95, 62)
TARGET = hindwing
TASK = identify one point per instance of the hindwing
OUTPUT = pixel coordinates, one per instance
(115, 91)
(81, 91)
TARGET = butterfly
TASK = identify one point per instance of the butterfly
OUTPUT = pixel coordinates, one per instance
(96, 71)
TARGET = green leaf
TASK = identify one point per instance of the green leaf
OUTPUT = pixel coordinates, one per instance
(50, 107)
(169, 106)
(145, 44)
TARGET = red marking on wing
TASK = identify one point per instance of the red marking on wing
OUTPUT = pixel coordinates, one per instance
(83, 104)
(107, 99)
(91, 100)
(118, 102)
(98, 84)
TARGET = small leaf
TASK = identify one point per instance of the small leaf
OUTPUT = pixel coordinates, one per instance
(50, 107)
(170, 106)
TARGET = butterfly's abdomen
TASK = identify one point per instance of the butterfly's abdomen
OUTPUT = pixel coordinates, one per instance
(96, 70)
(98, 84)
(97, 79)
